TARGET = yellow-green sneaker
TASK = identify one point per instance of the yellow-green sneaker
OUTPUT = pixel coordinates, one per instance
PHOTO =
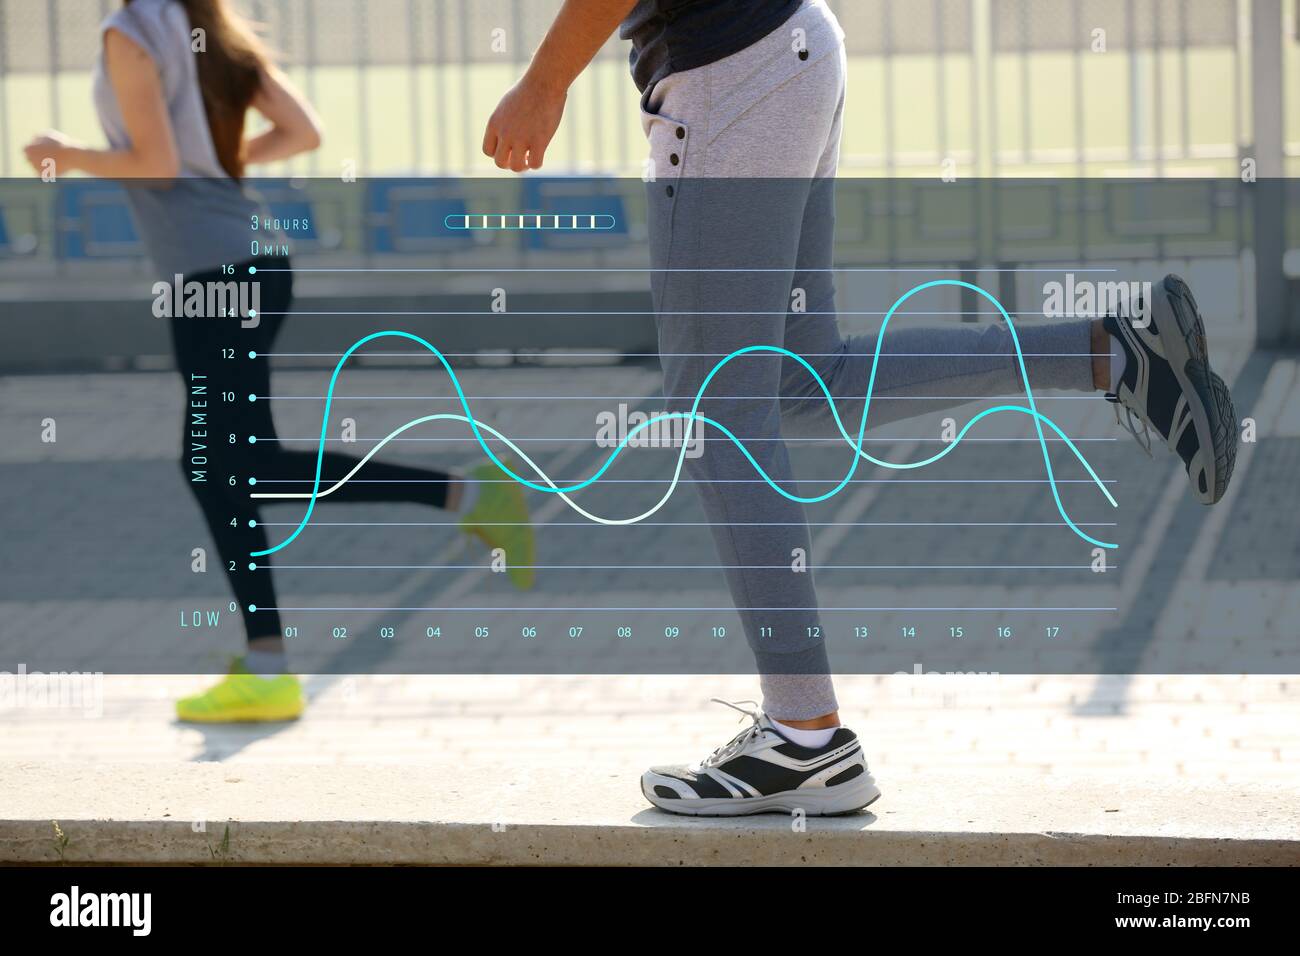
(499, 519)
(243, 697)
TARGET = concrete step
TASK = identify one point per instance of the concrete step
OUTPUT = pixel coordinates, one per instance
(205, 813)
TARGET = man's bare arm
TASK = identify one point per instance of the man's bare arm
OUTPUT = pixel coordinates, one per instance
(527, 117)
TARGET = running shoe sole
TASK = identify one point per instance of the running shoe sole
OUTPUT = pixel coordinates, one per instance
(1213, 415)
(840, 800)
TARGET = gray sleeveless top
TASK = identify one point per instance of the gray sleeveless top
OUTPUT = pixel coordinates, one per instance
(204, 219)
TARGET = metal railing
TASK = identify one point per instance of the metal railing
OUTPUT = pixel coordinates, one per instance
(971, 88)
(1079, 86)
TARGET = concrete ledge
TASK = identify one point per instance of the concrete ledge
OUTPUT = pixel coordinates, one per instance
(315, 814)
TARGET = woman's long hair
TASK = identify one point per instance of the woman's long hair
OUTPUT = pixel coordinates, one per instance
(230, 72)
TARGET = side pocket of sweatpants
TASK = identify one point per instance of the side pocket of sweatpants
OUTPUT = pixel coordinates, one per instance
(668, 141)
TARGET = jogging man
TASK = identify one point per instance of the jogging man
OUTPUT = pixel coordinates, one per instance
(734, 91)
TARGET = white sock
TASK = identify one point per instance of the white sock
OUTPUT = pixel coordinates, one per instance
(468, 495)
(805, 738)
(266, 664)
(1118, 362)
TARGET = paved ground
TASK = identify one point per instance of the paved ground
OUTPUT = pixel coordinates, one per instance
(497, 770)
(1206, 588)
(97, 566)
(1147, 728)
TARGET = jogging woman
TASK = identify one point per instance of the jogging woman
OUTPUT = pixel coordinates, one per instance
(173, 87)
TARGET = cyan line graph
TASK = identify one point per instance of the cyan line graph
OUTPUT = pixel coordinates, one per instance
(550, 487)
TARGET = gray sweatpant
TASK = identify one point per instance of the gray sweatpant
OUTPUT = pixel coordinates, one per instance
(741, 215)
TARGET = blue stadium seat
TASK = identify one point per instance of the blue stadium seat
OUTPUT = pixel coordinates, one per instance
(408, 216)
(11, 244)
(580, 196)
(288, 200)
(94, 221)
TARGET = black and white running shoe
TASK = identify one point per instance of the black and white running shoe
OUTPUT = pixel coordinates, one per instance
(760, 771)
(1167, 385)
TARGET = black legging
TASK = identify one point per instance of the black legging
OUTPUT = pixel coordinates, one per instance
(198, 343)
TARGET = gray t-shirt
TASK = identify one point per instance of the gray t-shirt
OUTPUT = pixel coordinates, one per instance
(203, 219)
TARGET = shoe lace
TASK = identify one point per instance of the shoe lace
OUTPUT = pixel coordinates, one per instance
(1132, 419)
(1130, 423)
(738, 742)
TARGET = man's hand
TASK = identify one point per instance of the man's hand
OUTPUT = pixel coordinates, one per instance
(54, 145)
(523, 124)
(527, 117)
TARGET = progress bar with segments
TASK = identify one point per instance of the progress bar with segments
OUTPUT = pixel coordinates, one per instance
(514, 220)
